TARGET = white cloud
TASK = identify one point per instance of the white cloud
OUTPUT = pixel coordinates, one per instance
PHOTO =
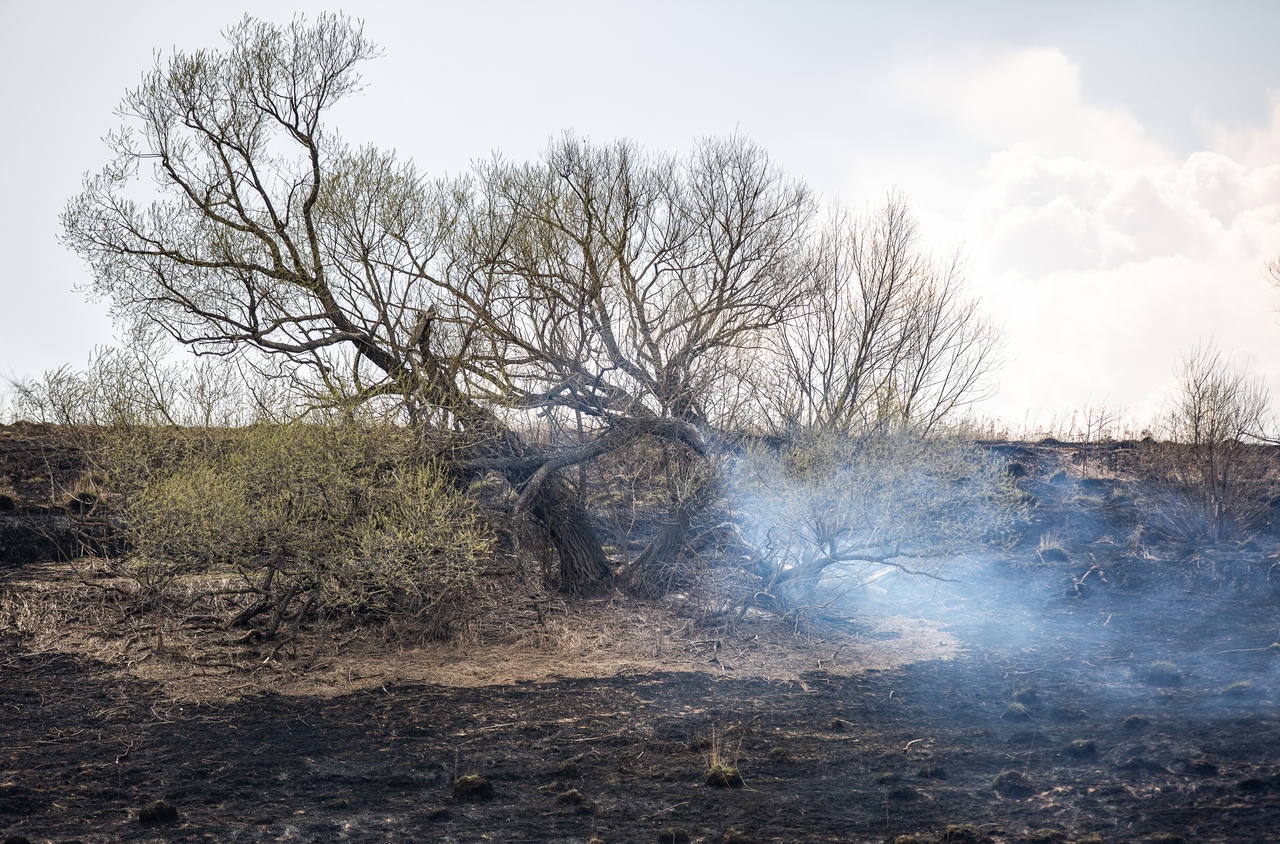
(1030, 100)
(1104, 254)
(1038, 214)
(1256, 146)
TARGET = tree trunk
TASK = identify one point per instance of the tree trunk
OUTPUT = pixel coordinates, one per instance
(654, 573)
(548, 498)
(583, 568)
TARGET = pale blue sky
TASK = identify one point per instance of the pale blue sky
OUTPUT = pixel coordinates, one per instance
(1112, 169)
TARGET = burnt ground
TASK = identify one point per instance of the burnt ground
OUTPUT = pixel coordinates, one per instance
(1136, 701)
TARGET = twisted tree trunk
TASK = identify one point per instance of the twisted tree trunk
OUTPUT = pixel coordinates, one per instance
(583, 569)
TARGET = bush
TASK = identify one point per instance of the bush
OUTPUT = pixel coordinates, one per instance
(1216, 481)
(343, 518)
(867, 503)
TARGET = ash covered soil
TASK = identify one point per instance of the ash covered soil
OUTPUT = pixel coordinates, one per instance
(1118, 692)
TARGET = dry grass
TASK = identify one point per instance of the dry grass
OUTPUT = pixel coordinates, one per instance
(86, 611)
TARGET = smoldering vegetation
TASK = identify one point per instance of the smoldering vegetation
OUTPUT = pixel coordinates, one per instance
(1107, 568)
(1117, 681)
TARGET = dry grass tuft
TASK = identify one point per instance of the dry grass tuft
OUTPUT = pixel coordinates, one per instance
(722, 761)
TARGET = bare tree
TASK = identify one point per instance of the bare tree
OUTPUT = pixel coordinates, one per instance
(1216, 419)
(890, 339)
(269, 235)
(620, 291)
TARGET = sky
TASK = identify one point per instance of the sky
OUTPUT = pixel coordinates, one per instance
(1111, 171)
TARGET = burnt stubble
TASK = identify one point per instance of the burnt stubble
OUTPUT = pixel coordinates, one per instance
(1051, 725)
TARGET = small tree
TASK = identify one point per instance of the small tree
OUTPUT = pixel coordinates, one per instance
(1093, 424)
(1216, 419)
(889, 340)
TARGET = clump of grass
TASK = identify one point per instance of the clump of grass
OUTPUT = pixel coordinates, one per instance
(8, 495)
(932, 772)
(1253, 785)
(1240, 688)
(888, 778)
(902, 792)
(722, 764)
(85, 495)
(1135, 723)
(158, 812)
(736, 836)
(722, 775)
(1012, 784)
(1026, 695)
(472, 788)
(572, 797)
(1164, 673)
(1051, 549)
(1081, 748)
(569, 768)
(961, 833)
(779, 754)
(1016, 712)
(1046, 836)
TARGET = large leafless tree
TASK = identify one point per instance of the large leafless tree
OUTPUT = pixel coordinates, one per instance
(600, 284)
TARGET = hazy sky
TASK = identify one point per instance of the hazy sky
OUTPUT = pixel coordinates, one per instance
(1112, 170)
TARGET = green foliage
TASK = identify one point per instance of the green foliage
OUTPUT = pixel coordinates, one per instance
(345, 516)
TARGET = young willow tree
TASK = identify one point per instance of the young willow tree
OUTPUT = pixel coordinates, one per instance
(267, 235)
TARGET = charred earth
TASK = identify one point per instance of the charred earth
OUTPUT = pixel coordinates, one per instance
(1102, 679)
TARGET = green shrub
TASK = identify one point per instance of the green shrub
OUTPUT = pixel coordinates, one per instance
(348, 518)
